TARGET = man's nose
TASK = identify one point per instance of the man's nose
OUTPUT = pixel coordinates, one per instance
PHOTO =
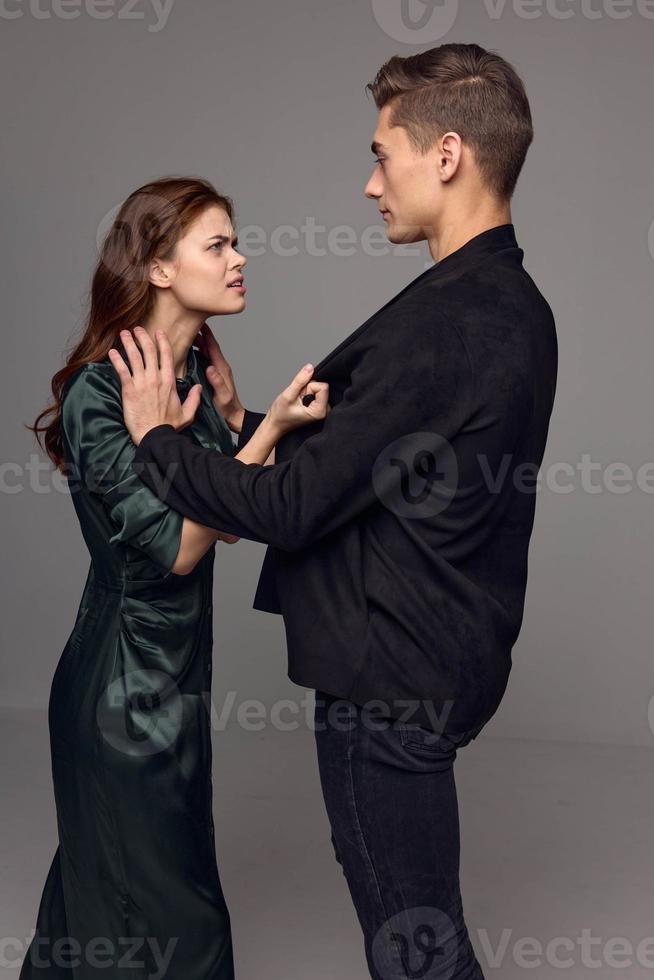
(373, 188)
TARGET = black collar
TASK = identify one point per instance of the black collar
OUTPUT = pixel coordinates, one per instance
(492, 240)
(485, 243)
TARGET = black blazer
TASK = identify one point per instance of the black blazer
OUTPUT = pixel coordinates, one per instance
(399, 527)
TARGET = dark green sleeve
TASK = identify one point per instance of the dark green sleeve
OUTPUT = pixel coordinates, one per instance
(103, 451)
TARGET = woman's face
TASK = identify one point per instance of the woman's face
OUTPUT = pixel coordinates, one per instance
(206, 272)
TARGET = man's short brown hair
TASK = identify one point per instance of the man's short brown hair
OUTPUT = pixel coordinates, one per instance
(464, 89)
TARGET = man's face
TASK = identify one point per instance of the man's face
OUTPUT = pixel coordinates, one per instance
(405, 184)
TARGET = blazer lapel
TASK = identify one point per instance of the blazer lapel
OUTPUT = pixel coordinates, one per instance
(364, 326)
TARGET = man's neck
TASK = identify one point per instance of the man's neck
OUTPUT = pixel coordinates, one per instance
(459, 227)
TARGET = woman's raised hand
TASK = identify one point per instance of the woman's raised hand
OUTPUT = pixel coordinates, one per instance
(219, 375)
(288, 411)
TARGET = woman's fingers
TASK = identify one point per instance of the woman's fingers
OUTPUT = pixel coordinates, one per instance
(320, 405)
(315, 386)
(221, 388)
(315, 398)
(211, 344)
(214, 351)
(299, 383)
(207, 335)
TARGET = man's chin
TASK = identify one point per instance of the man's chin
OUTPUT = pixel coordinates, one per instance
(403, 235)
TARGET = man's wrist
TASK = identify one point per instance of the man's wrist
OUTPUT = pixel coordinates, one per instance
(155, 428)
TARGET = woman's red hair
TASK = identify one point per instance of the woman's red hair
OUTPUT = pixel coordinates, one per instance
(148, 225)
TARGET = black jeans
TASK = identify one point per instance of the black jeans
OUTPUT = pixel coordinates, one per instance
(392, 805)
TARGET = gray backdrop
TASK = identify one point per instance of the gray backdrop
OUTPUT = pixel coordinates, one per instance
(267, 100)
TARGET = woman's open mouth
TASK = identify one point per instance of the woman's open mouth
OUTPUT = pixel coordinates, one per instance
(238, 285)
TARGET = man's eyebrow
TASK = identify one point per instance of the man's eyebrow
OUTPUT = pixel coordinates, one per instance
(376, 147)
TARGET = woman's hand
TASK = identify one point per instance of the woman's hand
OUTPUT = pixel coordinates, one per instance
(288, 411)
(219, 374)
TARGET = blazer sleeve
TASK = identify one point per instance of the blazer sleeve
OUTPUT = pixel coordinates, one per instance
(419, 378)
(251, 422)
(102, 455)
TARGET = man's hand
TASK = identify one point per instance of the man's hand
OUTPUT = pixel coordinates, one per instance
(149, 393)
(219, 374)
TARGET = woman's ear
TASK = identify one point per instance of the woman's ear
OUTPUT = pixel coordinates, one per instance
(158, 275)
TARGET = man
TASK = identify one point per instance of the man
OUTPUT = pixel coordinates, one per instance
(398, 527)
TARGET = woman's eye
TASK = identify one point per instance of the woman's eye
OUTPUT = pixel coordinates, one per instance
(217, 245)
(380, 162)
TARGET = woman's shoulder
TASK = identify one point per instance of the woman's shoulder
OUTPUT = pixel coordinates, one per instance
(96, 382)
(92, 373)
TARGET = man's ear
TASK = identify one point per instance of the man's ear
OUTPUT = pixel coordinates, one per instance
(449, 148)
(158, 275)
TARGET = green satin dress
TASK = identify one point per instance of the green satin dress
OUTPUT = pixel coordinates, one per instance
(134, 882)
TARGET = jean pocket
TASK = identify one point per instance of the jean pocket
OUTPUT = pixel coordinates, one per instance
(413, 736)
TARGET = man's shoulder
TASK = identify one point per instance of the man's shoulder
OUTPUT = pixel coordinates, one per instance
(497, 287)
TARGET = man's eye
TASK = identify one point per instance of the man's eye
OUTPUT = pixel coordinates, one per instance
(380, 162)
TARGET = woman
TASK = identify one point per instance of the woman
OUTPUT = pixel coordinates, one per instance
(134, 881)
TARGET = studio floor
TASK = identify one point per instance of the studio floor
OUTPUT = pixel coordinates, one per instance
(557, 862)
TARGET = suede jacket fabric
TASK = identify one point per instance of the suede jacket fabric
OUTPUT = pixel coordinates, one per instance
(398, 528)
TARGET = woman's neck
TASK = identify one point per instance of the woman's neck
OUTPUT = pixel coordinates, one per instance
(181, 329)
